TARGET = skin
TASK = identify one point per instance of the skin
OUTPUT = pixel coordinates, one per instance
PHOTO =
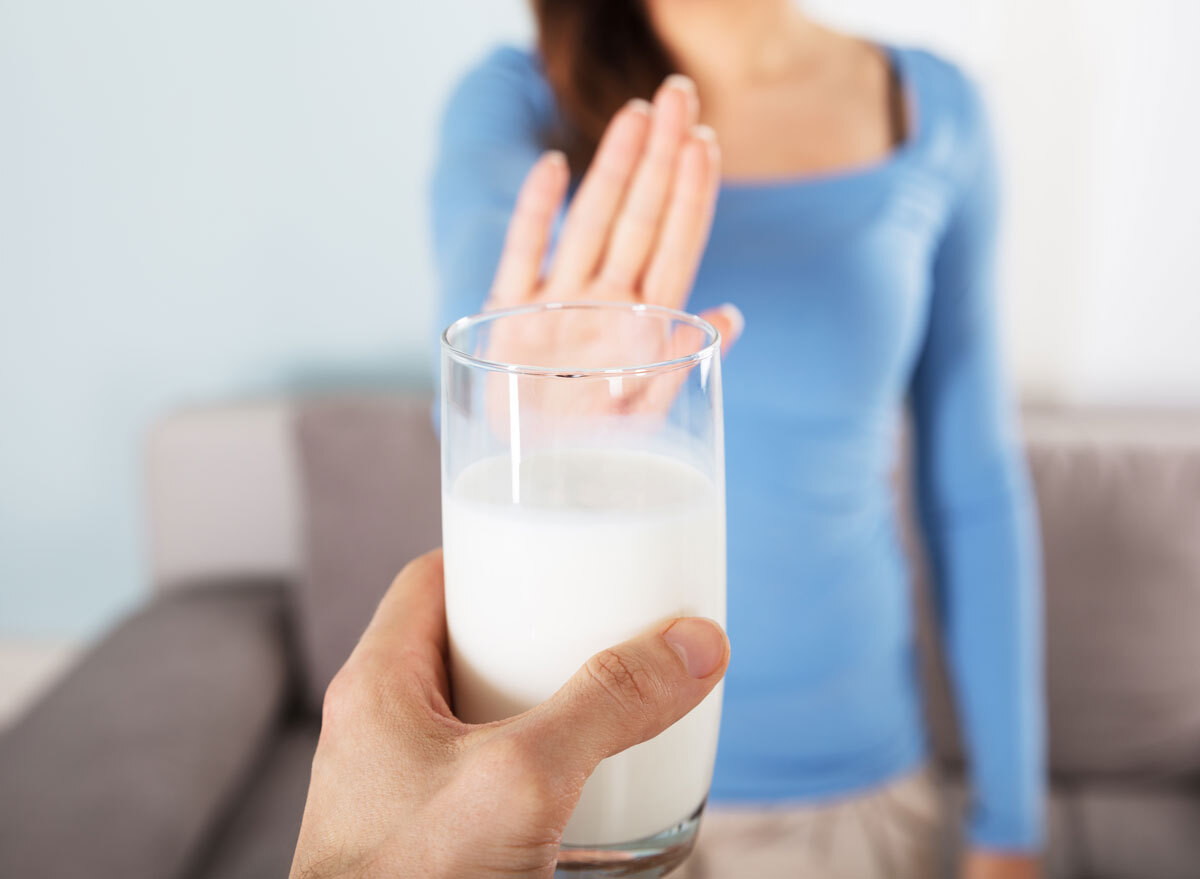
(765, 71)
(634, 233)
(400, 788)
(639, 222)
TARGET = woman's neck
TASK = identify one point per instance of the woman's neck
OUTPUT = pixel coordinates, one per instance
(727, 42)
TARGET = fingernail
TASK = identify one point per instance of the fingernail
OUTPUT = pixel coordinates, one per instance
(735, 317)
(688, 87)
(679, 81)
(700, 643)
(707, 136)
(556, 157)
(639, 105)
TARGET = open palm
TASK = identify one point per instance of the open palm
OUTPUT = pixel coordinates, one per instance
(634, 233)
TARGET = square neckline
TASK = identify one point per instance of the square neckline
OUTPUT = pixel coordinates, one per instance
(896, 158)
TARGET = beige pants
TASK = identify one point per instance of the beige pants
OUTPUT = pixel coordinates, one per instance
(894, 832)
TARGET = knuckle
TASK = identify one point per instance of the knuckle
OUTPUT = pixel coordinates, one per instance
(642, 217)
(626, 680)
(612, 169)
(524, 241)
(343, 698)
(423, 565)
(532, 214)
(358, 693)
(677, 254)
(618, 274)
(662, 154)
(691, 200)
(586, 227)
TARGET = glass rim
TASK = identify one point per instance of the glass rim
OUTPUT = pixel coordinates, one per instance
(710, 347)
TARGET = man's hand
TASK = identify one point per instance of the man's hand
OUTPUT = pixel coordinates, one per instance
(993, 865)
(401, 788)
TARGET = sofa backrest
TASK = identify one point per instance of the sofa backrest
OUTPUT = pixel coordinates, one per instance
(1118, 498)
(340, 493)
(333, 495)
(222, 489)
(371, 487)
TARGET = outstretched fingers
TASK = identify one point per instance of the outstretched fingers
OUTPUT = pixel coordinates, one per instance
(528, 236)
(590, 217)
(677, 253)
(637, 225)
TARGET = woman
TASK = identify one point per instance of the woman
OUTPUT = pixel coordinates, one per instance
(854, 228)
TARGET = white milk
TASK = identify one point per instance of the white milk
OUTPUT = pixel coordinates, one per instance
(601, 545)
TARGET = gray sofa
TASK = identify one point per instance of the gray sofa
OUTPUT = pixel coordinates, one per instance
(179, 746)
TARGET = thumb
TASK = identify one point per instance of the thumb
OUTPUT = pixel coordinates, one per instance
(629, 693)
(729, 322)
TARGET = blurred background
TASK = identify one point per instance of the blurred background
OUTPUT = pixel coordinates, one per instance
(205, 201)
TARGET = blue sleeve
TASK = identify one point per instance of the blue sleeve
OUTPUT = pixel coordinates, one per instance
(978, 516)
(491, 135)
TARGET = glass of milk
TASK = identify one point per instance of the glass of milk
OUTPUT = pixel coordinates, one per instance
(583, 501)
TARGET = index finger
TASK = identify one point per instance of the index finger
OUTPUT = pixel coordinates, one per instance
(528, 235)
(586, 227)
(409, 626)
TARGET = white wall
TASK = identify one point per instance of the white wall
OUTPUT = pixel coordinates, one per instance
(1139, 321)
(205, 199)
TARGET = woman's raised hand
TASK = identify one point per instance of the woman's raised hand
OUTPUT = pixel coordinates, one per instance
(638, 224)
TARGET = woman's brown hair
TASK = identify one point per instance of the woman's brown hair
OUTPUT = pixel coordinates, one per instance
(598, 54)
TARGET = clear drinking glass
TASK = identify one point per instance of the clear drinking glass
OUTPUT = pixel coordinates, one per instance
(583, 501)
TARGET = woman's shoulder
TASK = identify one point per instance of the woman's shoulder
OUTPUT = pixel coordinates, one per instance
(506, 92)
(943, 84)
(951, 116)
(512, 62)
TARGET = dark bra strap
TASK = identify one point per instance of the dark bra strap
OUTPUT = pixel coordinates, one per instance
(896, 110)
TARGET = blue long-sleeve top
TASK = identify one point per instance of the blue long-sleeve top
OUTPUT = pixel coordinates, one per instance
(863, 291)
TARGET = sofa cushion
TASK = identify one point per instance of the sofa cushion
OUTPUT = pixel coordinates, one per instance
(1137, 832)
(371, 487)
(259, 833)
(1061, 858)
(127, 765)
(1120, 515)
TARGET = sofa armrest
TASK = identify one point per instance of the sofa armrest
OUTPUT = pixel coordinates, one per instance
(222, 494)
(125, 766)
